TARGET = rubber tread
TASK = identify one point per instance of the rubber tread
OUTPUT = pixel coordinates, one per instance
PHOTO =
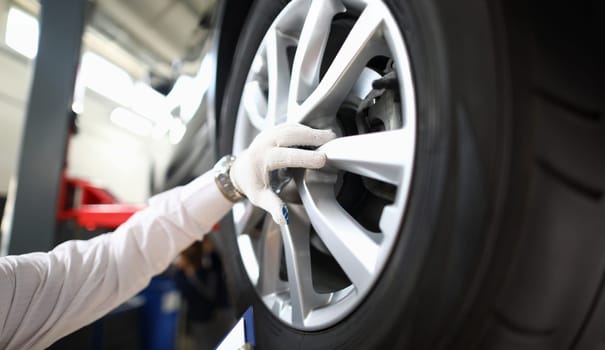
(555, 284)
(501, 337)
(570, 146)
(559, 264)
(573, 108)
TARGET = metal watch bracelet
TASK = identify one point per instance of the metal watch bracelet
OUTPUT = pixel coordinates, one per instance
(223, 180)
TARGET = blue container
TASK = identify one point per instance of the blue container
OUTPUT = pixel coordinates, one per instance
(160, 314)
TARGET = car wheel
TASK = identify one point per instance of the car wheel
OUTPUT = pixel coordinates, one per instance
(393, 242)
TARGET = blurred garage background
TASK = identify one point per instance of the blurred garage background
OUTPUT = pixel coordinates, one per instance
(140, 102)
(141, 81)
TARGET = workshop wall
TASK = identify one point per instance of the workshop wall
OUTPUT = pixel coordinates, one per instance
(15, 73)
(111, 157)
(101, 152)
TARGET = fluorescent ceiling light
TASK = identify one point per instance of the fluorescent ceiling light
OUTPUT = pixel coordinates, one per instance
(150, 103)
(143, 110)
(188, 92)
(176, 132)
(131, 121)
(105, 78)
(160, 129)
(183, 97)
(22, 32)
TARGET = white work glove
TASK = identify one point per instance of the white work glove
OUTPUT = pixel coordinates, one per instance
(272, 150)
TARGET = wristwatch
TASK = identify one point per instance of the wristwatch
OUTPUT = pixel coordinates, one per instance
(223, 180)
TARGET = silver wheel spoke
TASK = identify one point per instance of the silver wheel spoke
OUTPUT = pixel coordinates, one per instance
(380, 155)
(270, 260)
(298, 261)
(362, 43)
(349, 242)
(255, 104)
(311, 45)
(278, 72)
(246, 216)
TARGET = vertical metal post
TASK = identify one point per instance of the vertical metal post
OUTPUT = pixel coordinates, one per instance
(45, 133)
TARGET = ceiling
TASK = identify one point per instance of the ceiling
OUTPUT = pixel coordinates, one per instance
(159, 32)
(156, 40)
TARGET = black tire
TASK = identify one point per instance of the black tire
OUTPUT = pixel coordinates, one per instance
(544, 286)
(487, 261)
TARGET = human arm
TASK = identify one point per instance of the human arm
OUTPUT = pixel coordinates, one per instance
(45, 296)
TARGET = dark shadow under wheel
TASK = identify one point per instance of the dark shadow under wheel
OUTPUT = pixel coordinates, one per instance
(444, 218)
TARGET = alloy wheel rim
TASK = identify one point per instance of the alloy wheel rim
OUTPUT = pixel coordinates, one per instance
(290, 82)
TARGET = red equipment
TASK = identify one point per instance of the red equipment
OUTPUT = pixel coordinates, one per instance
(90, 206)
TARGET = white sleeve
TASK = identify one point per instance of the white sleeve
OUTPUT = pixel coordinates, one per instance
(44, 296)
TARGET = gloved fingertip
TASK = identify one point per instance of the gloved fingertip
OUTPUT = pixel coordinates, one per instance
(279, 218)
(319, 159)
(329, 133)
(326, 135)
(272, 204)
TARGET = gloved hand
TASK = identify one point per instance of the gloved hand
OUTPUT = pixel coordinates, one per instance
(271, 150)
